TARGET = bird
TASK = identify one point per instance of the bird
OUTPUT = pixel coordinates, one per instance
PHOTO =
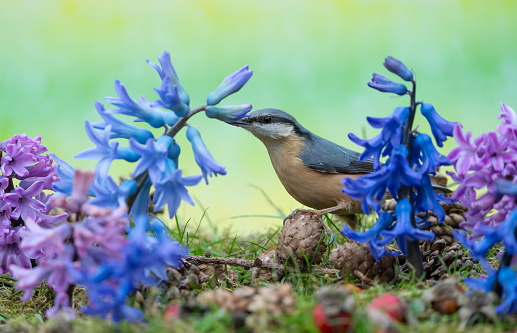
(309, 167)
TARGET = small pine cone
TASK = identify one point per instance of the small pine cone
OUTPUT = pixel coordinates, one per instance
(301, 239)
(264, 274)
(441, 261)
(274, 300)
(356, 258)
(222, 298)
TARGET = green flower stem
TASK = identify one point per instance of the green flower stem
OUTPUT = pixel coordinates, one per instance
(414, 255)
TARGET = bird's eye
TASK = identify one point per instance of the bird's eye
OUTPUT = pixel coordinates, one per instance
(268, 119)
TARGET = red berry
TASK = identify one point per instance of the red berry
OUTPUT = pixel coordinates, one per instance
(337, 324)
(387, 305)
(172, 313)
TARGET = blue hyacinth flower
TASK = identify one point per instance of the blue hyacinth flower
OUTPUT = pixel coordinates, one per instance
(440, 127)
(170, 98)
(119, 128)
(403, 230)
(142, 111)
(167, 71)
(373, 235)
(425, 155)
(105, 151)
(384, 84)
(202, 156)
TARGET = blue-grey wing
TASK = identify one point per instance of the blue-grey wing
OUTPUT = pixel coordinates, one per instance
(325, 156)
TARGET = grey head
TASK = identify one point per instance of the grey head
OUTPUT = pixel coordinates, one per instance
(271, 124)
(319, 154)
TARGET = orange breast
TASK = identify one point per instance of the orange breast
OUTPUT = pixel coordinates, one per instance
(311, 188)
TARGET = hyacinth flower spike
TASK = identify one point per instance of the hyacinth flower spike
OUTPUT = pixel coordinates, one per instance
(410, 158)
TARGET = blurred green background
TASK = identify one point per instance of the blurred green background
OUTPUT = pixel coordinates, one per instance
(310, 58)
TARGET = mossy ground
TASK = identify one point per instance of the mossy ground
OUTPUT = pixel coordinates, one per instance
(18, 316)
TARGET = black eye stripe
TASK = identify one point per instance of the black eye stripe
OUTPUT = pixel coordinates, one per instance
(268, 119)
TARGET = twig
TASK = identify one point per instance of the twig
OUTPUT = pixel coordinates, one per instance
(255, 263)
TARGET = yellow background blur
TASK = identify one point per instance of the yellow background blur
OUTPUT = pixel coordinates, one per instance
(311, 59)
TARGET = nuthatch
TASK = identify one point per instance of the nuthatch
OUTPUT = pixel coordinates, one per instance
(310, 167)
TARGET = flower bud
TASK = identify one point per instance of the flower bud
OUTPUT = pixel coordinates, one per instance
(384, 84)
(397, 67)
(229, 113)
(231, 84)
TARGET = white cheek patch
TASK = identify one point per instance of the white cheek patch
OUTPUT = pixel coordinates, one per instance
(274, 131)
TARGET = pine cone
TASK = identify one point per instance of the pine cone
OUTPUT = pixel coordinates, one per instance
(356, 258)
(301, 239)
(441, 261)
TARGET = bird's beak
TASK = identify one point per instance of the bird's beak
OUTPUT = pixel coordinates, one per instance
(244, 122)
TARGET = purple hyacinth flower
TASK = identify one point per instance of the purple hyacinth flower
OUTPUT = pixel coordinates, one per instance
(16, 160)
(28, 278)
(167, 71)
(231, 84)
(81, 188)
(170, 98)
(104, 150)
(5, 215)
(23, 203)
(44, 242)
(384, 84)
(10, 252)
(202, 156)
(229, 113)
(464, 156)
(508, 127)
(397, 67)
(119, 128)
(142, 111)
(440, 127)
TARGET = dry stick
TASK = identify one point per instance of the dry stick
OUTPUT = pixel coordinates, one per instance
(255, 263)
